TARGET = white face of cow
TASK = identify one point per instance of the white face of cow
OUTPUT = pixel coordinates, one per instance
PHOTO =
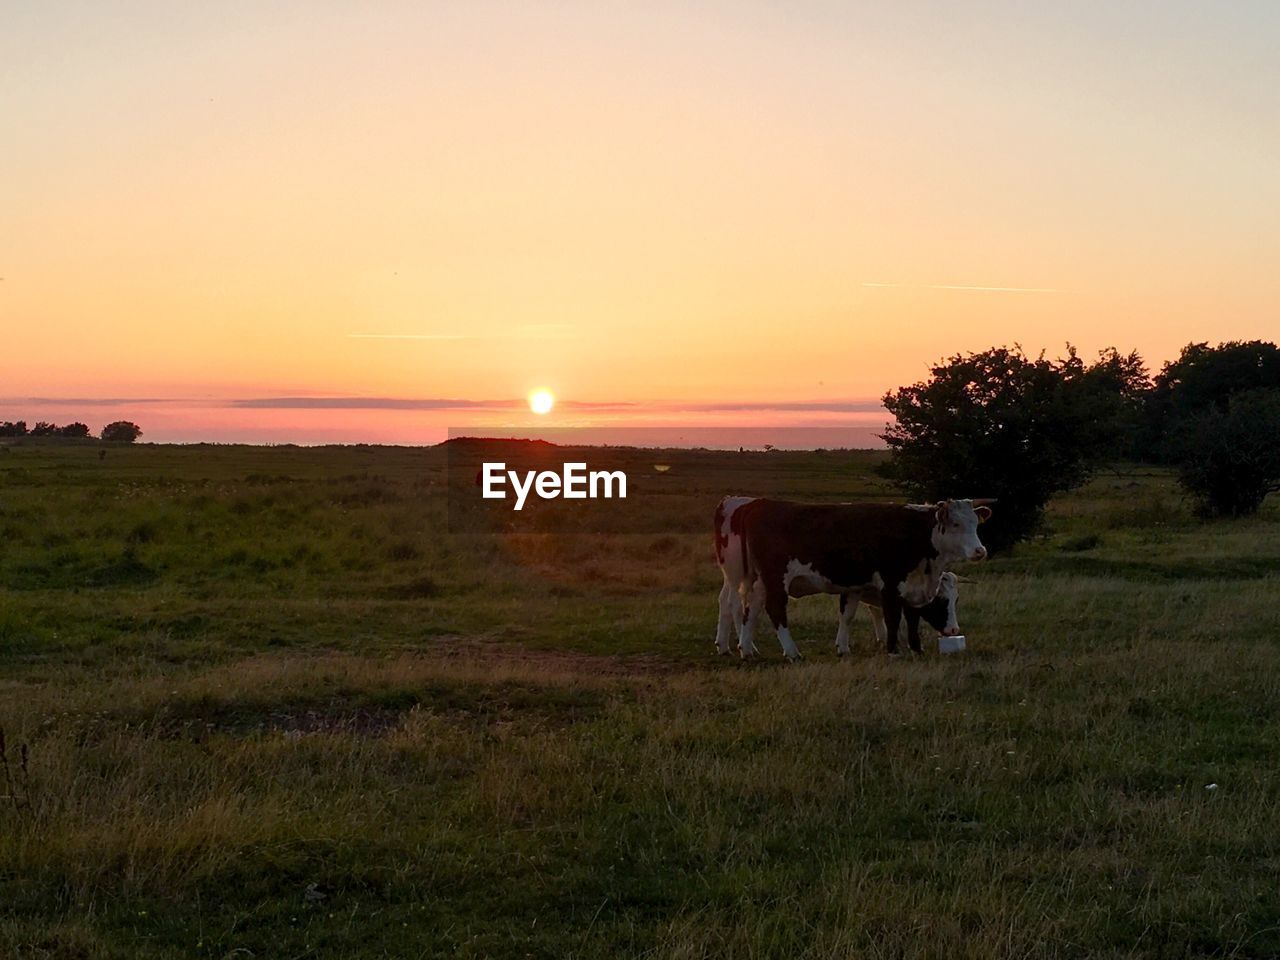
(940, 612)
(949, 592)
(955, 531)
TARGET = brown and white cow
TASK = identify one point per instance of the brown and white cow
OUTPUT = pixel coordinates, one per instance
(770, 550)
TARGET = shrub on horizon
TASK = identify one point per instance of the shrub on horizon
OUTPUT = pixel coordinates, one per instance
(123, 431)
(1002, 424)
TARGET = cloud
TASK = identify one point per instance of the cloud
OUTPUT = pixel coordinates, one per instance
(366, 403)
(834, 406)
(411, 403)
(963, 286)
(453, 403)
(85, 401)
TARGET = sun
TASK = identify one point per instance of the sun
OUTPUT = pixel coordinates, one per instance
(541, 400)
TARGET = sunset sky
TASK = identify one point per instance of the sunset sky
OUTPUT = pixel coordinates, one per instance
(690, 213)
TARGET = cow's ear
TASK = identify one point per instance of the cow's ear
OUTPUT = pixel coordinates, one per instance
(943, 508)
(984, 513)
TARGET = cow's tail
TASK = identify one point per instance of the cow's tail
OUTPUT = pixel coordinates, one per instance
(718, 533)
(738, 524)
(748, 569)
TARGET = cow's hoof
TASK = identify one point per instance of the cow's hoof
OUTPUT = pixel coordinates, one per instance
(795, 659)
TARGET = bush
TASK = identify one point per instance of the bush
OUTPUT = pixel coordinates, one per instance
(76, 429)
(44, 428)
(121, 430)
(1202, 380)
(1229, 461)
(1001, 424)
(10, 428)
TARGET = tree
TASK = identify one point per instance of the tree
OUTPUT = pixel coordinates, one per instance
(1201, 380)
(1002, 424)
(44, 428)
(1117, 388)
(1230, 460)
(122, 430)
(10, 428)
(76, 429)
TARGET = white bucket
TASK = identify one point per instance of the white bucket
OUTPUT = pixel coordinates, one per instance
(951, 644)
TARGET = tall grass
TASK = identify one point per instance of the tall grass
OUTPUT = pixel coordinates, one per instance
(320, 727)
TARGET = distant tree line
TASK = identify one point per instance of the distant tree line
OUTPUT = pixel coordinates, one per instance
(1021, 428)
(120, 430)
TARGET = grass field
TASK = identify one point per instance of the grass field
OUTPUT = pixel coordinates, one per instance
(271, 709)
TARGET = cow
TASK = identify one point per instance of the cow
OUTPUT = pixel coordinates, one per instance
(940, 612)
(771, 550)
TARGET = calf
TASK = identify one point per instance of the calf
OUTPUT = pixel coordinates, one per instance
(770, 550)
(939, 613)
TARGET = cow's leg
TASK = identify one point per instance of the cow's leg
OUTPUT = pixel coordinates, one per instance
(775, 604)
(848, 607)
(739, 605)
(913, 628)
(750, 614)
(891, 605)
(728, 613)
(877, 625)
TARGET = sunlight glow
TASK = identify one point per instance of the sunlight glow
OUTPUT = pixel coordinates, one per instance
(541, 401)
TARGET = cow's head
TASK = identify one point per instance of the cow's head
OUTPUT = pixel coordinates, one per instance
(955, 528)
(940, 613)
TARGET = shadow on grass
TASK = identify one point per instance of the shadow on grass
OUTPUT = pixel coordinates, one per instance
(1179, 569)
(68, 570)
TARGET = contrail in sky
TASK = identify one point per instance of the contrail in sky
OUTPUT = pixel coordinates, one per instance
(407, 336)
(961, 286)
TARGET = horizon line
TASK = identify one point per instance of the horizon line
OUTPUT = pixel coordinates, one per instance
(355, 402)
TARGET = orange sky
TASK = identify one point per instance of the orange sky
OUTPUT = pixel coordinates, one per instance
(639, 204)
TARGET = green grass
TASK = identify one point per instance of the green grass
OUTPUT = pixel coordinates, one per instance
(274, 710)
